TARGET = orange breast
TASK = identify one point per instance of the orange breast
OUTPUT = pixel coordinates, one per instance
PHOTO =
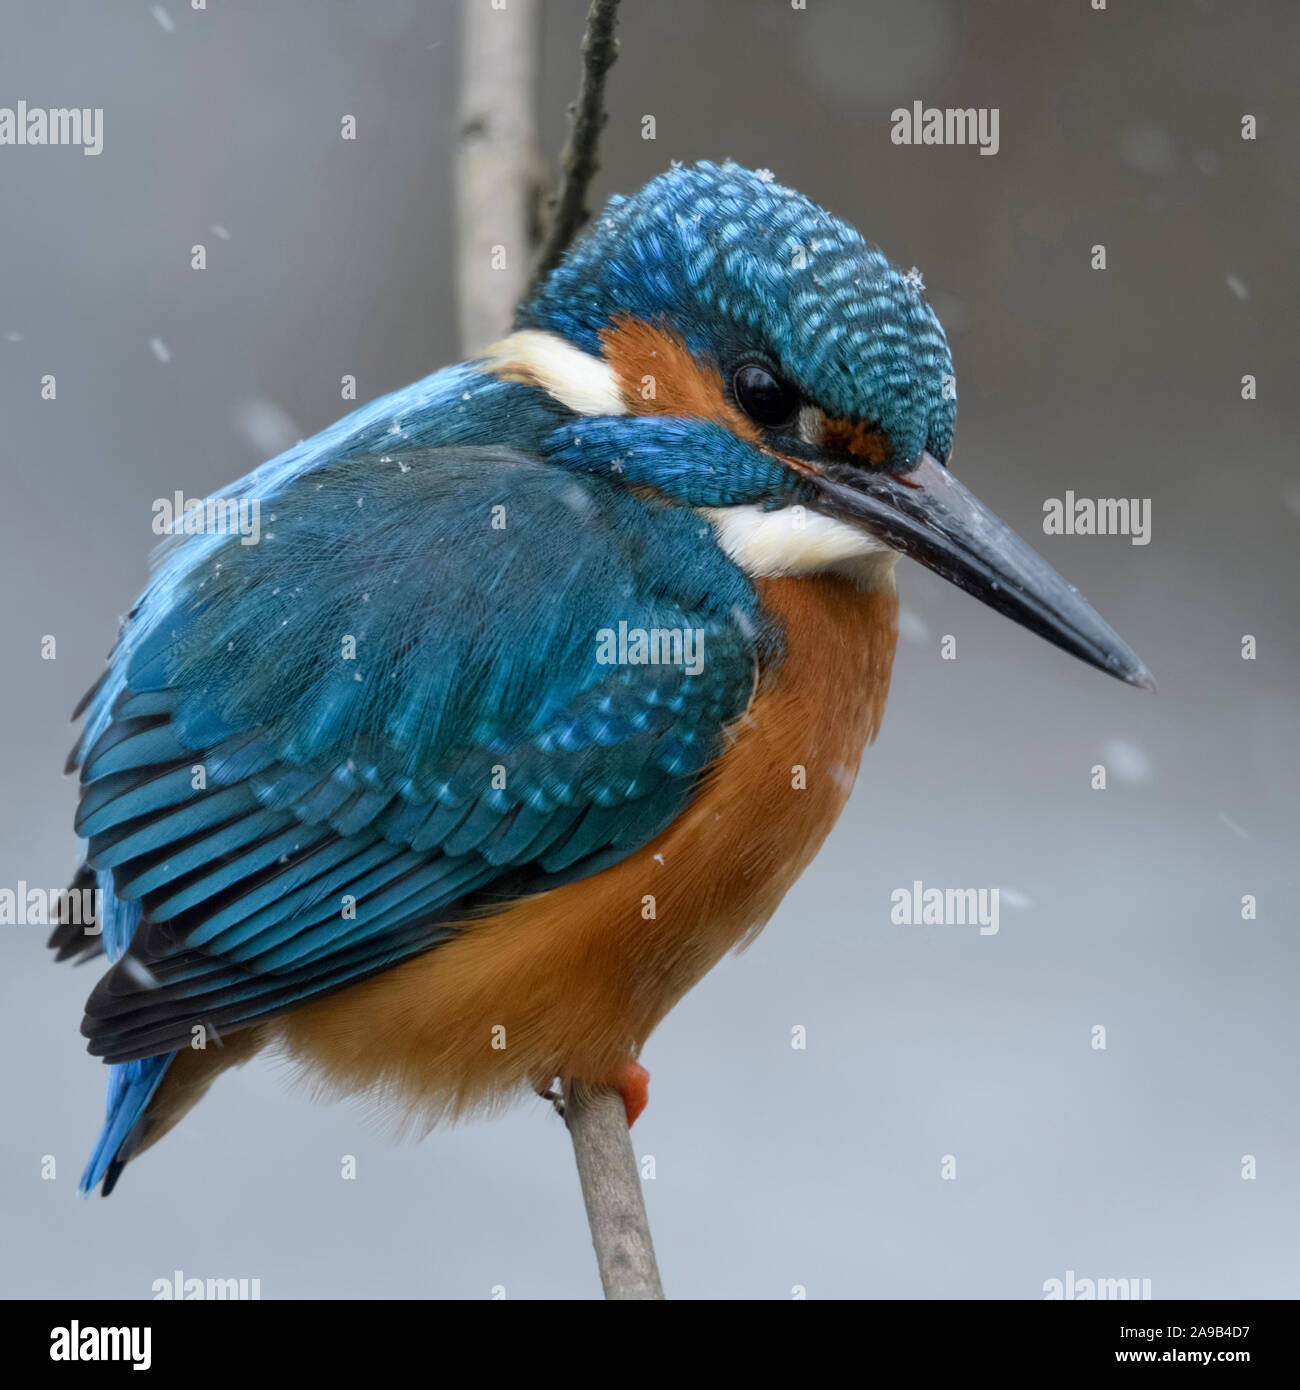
(571, 982)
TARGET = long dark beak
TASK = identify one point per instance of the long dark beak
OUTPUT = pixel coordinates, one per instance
(927, 514)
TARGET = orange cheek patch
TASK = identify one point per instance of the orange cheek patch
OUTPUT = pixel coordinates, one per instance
(658, 376)
(854, 437)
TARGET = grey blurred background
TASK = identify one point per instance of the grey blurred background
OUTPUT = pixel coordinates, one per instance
(775, 1168)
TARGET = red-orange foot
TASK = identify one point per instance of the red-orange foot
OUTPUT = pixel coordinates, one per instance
(634, 1086)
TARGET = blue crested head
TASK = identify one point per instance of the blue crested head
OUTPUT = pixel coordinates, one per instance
(746, 271)
(727, 345)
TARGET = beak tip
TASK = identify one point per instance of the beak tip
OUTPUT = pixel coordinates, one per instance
(1132, 670)
(930, 516)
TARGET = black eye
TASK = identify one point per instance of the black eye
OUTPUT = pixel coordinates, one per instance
(765, 398)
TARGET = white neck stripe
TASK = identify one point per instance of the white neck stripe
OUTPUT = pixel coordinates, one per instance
(579, 380)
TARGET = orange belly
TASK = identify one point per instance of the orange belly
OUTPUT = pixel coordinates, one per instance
(571, 982)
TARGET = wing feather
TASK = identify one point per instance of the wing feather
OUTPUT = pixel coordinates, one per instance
(396, 707)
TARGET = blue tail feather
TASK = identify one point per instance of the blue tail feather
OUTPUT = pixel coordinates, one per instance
(131, 1085)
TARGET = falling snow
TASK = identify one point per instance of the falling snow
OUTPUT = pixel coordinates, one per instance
(843, 775)
(1148, 149)
(265, 427)
(912, 627)
(1233, 826)
(577, 499)
(742, 620)
(1127, 762)
(139, 972)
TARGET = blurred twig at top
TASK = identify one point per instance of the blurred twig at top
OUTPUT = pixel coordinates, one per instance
(496, 165)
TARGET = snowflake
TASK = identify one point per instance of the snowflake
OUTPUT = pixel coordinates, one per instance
(914, 282)
(765, 175)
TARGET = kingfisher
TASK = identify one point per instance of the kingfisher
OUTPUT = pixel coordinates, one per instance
(544, 680)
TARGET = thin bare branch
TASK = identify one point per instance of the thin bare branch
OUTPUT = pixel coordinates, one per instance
(611, 1188)
(579, 162)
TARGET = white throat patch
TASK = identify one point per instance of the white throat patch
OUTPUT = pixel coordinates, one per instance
(795, 540)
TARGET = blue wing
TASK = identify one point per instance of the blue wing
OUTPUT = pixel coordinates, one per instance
(315, 753)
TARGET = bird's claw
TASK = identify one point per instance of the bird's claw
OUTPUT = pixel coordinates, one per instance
(556, 1099)
(632, 1085)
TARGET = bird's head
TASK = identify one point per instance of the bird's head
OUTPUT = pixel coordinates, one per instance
(725, 344)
